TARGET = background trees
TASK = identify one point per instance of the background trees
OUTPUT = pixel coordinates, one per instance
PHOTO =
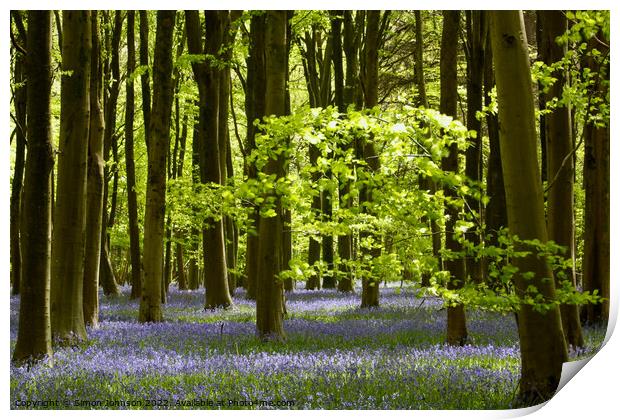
(318, 158)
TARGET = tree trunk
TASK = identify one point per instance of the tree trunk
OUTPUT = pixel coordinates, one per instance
(370, 286)
(19, 76)
(145, 77)
(132, 198)
(255, 108)
(111, 79)
(159, 129)
(94, 187)
(181, 276)
(560, 205)
(425, 182)
(228, 40)
(269, 296)
(34, 331)
(287, 233)
(457, 327)
(314, 246)
(207, 77)
(495, 212)
(476, 39)
(596, 256)
(542, 101)
(350, 90)
(69, 233)
(165, 283)
(543, 349)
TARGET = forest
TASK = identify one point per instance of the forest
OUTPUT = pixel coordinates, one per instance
(340, 209)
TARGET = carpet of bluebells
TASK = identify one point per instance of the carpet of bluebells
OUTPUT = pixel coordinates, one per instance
(336, 356)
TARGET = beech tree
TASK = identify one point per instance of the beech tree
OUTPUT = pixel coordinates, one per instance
(207, 76)
(269, 293)
(20, 94)
(457, 328)
(94, 187)
(34, 339)
(370, 287)
(560, 169)
(68, 238)
(542, 345)
(159, 131)
(132, 200)
(254, 108)
(596, 167)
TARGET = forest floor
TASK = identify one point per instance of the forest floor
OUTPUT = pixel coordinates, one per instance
(336, 356)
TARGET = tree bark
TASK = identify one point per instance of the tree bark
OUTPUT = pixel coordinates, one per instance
(207, 76)
(350, 91)
(34, 331)
(495, 212)
(476, 29)
(68, 239)
(269, 296)
(425, 182)
(255, 108)
(596, 174)
(560, 201)
(150, 304)
(132, 199)
(457, 327)
(111, 79)
(94, 187)
(543, 349)
(229, 34)
(145, 77)
(370, 286)
(19, 77)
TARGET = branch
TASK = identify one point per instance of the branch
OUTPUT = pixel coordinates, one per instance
(234, 116)
(16, 44)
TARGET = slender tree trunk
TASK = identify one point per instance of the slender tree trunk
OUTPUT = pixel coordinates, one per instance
(542, 101)
(542, 345)
(344, 280)
(165, 283)
(287, 233)
(145, 77)
(560, 205)
(112, 79)
(181, 276)
(457, 327)
(255, 108)
(34, 332)
(476, 39)
(69, 233)
(350, 90)
(370, 286)
(495, 212)
(270, 296)
(150, 304)
(327, 240)
(207, 76)
(19, 76)
(314, 246)
(596, 174)
(425, 182)
(132, 199)
(94, 187)
(224, 141)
